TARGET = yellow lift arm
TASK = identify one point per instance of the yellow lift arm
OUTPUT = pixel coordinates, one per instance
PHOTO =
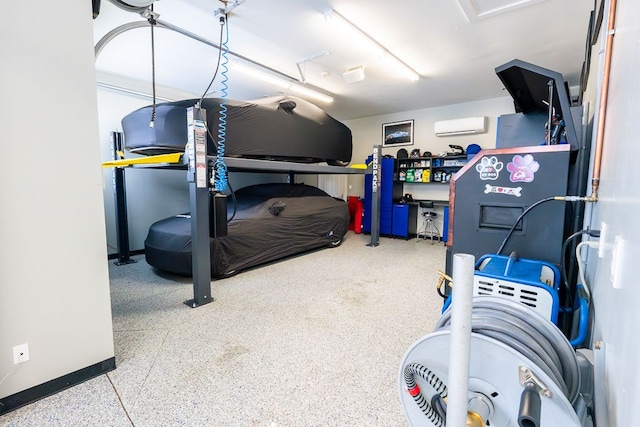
(147, 160)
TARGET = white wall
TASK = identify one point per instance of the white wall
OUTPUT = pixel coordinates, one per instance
(367, 132)
(54, 286)
(616, 293)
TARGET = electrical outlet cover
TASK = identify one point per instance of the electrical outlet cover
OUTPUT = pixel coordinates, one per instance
(20, 353)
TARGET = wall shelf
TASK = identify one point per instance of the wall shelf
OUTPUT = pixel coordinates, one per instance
(425, 170)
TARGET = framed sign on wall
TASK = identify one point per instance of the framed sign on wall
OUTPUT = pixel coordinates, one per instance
(397, 133)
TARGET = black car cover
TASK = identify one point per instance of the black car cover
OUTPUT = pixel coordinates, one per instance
(279, 128)
(272, 221)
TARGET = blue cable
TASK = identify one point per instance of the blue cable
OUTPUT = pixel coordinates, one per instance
(583, 324)
(221, 168)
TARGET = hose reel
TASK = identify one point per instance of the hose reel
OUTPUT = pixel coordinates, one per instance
(522, 370)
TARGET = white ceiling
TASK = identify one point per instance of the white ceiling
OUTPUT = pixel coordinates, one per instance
(455, 54)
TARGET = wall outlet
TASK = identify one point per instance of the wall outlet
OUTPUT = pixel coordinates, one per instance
(20, 353)
(604, 240)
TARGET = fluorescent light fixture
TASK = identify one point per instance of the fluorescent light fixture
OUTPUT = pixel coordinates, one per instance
(311, 93)
(259, 75)
(280, 82)
(131, 92)
(410, 73)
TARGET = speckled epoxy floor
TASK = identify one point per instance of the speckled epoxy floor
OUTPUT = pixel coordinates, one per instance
(314, 340)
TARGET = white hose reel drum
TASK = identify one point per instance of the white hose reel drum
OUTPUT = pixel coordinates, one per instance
(512, 349)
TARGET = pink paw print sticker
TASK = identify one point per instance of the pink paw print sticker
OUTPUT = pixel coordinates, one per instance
(522, 169)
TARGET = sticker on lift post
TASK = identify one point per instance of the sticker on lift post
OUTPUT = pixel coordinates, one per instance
(377, 172)
(489, 168)
(522, 168)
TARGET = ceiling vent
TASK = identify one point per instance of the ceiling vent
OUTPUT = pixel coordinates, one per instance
(353, 75)
(466, 126)
(476, 10)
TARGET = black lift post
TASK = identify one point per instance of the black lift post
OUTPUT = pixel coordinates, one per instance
(120, 198)
(198, 177)
(375, 195)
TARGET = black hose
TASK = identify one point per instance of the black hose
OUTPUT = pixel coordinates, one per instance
(563, 270)
(517, 221)
(234, 201)
(530, 407)
(215, 74)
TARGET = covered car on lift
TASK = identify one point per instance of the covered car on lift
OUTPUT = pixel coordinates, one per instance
(275, 128)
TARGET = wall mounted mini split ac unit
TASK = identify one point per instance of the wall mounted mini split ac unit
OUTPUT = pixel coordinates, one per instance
(466, 126)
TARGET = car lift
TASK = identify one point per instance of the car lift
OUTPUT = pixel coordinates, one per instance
(199, 190)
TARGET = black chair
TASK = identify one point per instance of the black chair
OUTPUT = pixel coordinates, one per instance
(429, 228)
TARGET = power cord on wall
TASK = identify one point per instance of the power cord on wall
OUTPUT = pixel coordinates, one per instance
(565, 245)
(583, 279)
(9, 373)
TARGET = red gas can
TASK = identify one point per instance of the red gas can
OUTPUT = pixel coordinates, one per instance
(355, 212)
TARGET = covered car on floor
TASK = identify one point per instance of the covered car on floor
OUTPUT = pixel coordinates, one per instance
(271, 221)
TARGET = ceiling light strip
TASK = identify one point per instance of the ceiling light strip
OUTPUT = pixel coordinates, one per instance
(280, 83)
(411, 73)
(311, 93)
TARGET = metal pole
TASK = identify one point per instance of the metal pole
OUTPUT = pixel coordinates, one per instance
(604, 94)
(100, 45)
(199, 201)
(462, 304)
(120, 200)
(376, 181)
(550, 115)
